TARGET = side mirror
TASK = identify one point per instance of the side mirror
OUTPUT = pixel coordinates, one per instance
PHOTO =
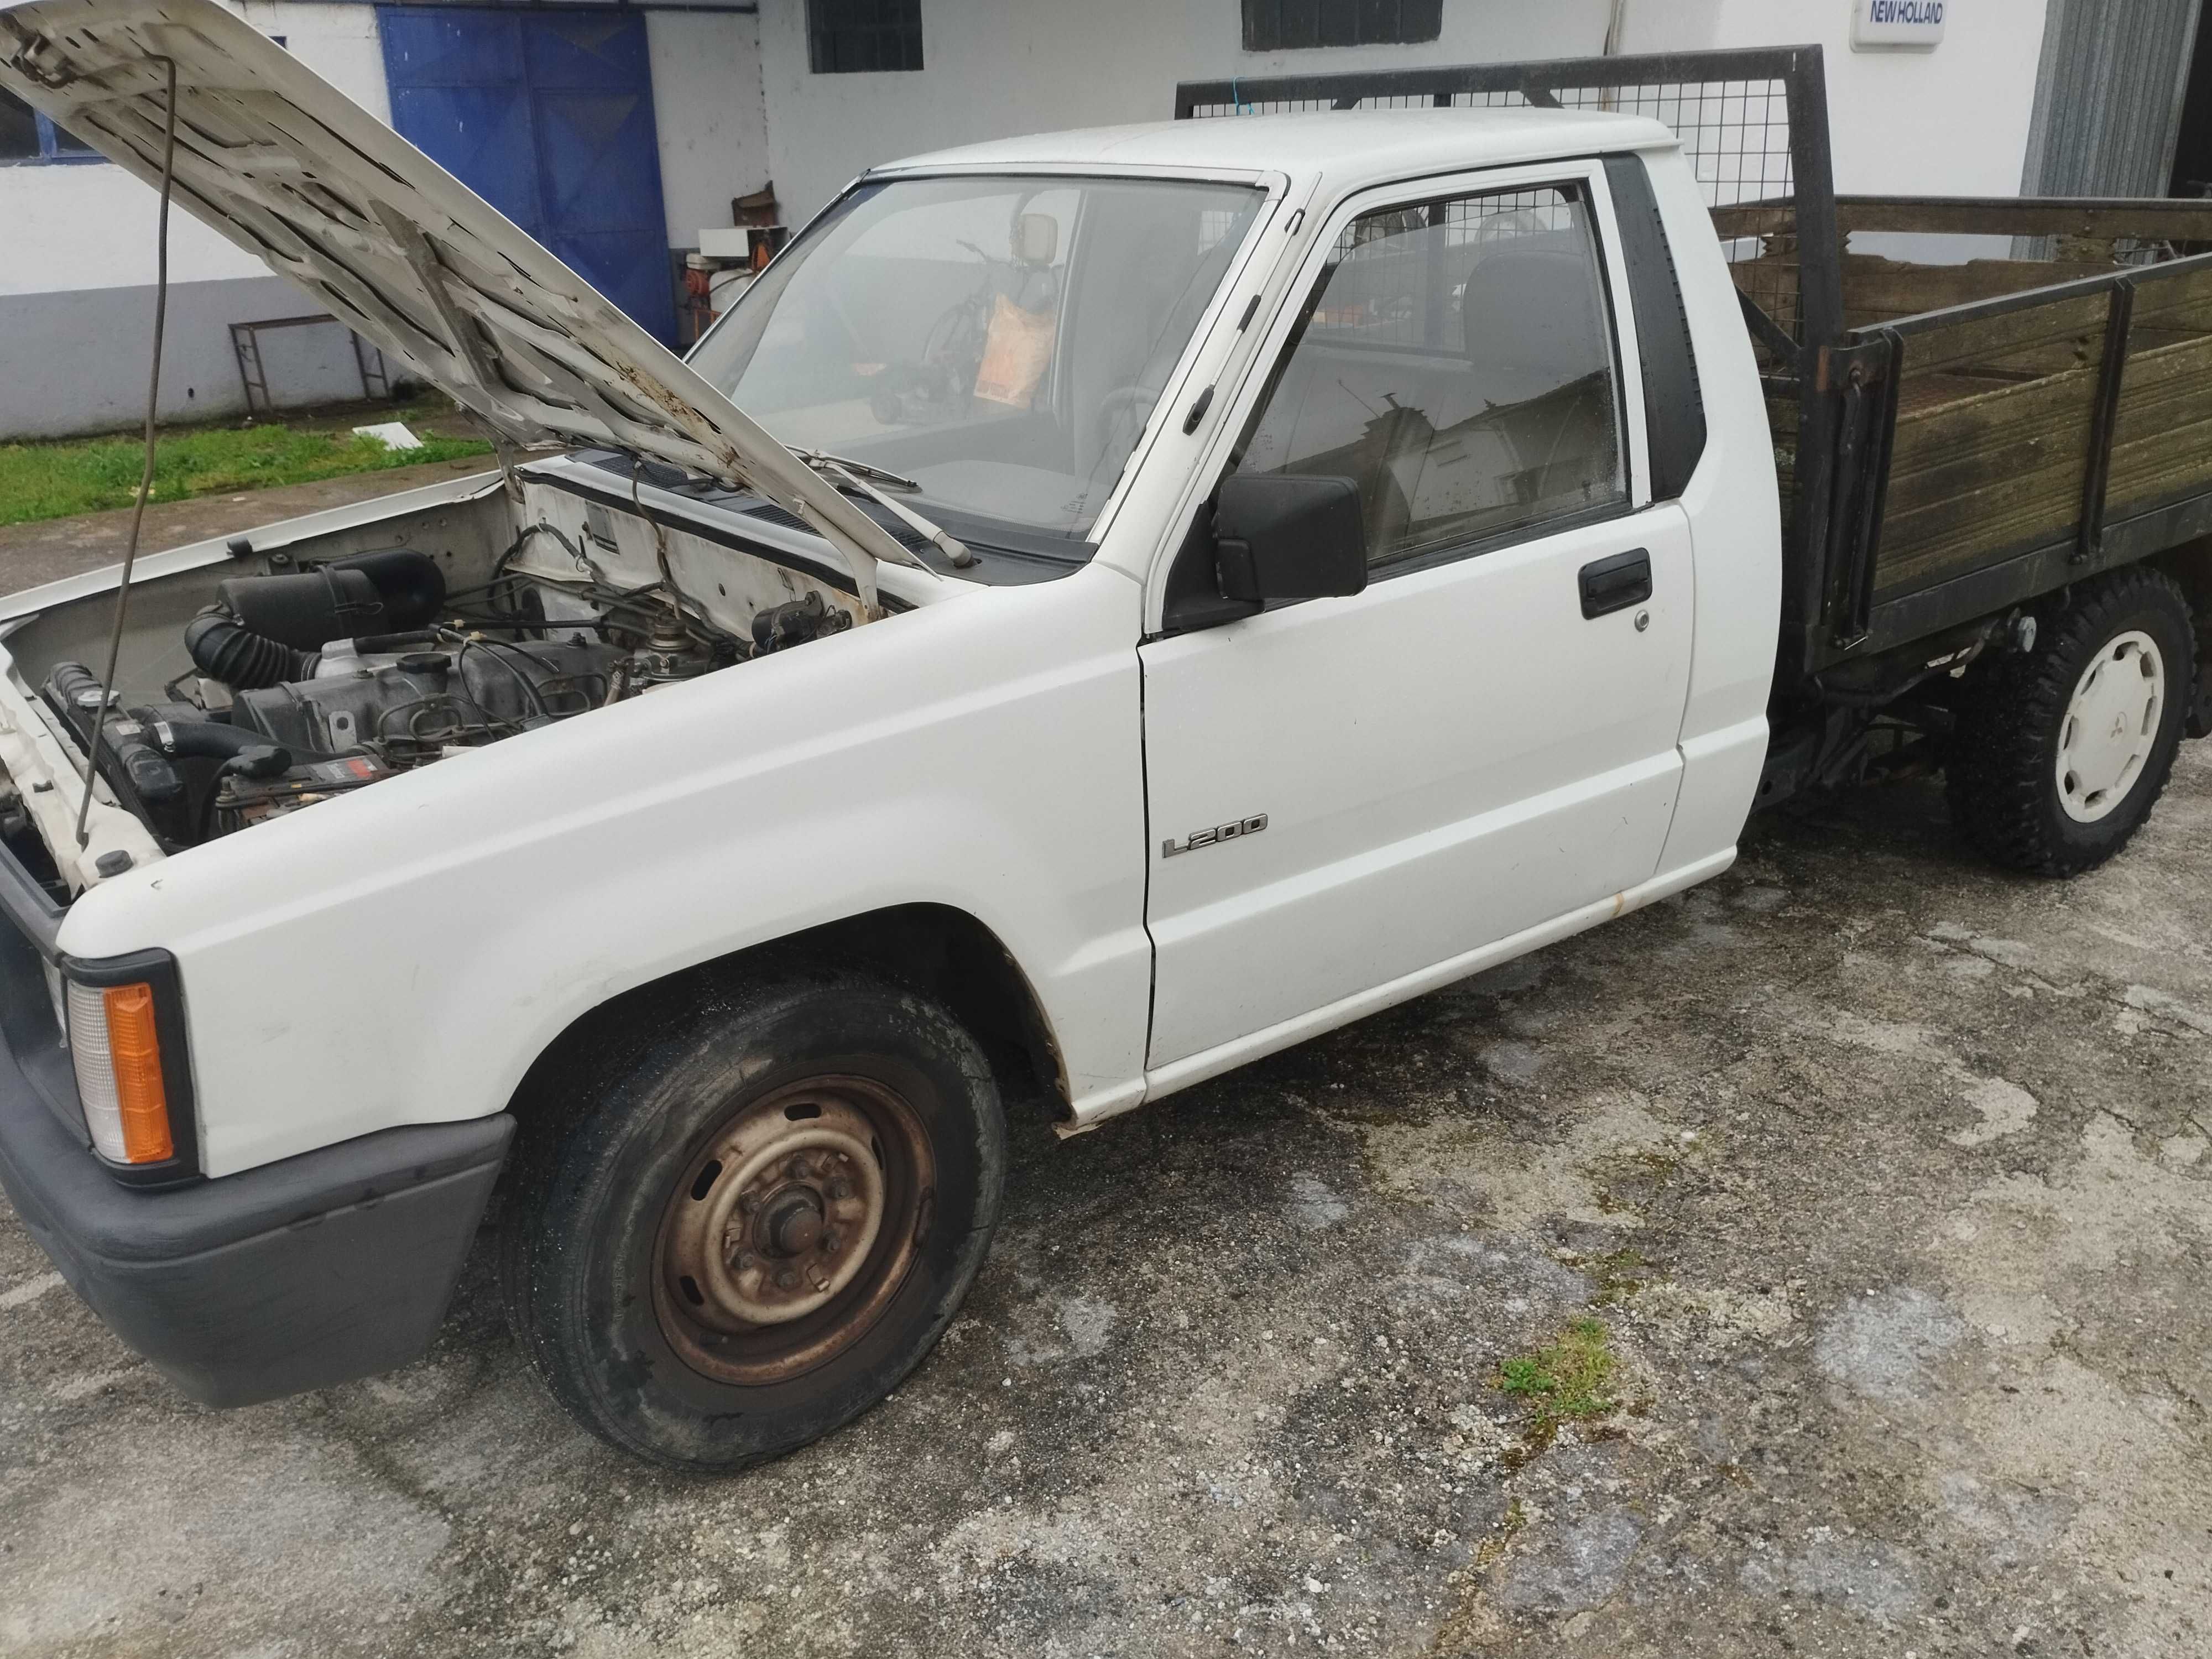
(1285, 536)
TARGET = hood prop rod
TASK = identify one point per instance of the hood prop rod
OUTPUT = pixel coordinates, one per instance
(146, 471)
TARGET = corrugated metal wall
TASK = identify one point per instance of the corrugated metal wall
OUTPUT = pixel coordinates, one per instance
(2108, 96)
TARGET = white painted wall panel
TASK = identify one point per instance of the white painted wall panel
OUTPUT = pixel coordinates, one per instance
(74, 226)
(1953, 121)
(996, 67)
(75, 362)
(707, 101)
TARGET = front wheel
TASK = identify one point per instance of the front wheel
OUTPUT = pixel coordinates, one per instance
(2060, 754)
(743, 1226)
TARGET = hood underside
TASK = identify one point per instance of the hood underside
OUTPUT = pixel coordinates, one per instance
(279, 161)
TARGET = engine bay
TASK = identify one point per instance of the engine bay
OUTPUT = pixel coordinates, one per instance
(332, 675)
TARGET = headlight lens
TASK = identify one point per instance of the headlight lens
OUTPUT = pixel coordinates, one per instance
(117, 1049)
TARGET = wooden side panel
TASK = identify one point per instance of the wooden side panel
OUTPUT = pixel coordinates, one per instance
(2068, 218)
(1877, 291)
(2052, 337)
(1972, 479)
(2170, 308)
(2162, 430)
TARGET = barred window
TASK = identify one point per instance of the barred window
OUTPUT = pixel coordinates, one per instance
(860, 37)
(1292, 25)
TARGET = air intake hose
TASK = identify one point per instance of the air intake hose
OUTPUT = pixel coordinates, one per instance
(223, 648)
(264, 630)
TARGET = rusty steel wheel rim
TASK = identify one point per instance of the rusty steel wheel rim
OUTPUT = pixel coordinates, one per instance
(789, 1235)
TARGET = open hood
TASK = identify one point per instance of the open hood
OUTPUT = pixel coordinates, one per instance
(287, 166)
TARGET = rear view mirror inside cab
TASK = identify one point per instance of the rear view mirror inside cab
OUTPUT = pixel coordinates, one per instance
(1036, 238)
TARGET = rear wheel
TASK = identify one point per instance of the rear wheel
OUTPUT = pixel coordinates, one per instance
(738, 1230)
(2061, 753)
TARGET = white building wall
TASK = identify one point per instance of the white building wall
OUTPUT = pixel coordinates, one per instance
(706, 102)
(1949, 122)
(77, 268)
(996, 67)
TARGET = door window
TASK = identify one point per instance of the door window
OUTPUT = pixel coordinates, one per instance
(1456, 362)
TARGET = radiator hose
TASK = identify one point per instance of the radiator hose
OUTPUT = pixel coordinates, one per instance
(240, 749)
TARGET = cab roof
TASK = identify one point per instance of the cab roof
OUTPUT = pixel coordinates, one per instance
(1351, 148)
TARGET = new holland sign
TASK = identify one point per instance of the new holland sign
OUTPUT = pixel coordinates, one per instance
(1891, 23)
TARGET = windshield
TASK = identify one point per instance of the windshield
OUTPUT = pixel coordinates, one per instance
(1000, 342)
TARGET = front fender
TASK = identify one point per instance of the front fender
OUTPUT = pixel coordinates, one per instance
(401, 955)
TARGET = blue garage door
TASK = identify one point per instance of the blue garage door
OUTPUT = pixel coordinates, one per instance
(548, 117)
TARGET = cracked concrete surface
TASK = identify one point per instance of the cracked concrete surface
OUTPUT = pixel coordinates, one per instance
(1888, 1175)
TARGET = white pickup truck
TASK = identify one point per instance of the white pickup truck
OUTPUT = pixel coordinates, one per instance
(1176, 589)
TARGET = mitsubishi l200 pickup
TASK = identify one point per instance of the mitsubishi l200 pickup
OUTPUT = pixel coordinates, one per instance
(1100, 608)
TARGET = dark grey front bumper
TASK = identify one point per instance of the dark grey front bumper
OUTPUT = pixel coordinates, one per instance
(333, 1265)
(324, 1267)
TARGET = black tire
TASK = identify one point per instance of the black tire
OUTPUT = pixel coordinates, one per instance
(2003, 776)
(616, 1155)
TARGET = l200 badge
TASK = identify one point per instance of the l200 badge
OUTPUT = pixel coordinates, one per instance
(1215, 836)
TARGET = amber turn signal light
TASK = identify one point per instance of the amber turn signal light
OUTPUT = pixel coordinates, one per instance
(135, 1048)
(117, 1050)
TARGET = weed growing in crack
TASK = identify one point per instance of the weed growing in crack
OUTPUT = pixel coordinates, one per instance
(1566, 1381)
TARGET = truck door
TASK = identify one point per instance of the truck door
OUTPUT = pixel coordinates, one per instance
(1346, 793)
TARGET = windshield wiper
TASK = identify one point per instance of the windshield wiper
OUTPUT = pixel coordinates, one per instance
(854, 475)
(817, 458)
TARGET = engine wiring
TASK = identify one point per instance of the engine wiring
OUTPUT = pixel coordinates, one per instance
(632, 610)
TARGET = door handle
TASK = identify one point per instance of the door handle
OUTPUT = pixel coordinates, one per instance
(1616, 582)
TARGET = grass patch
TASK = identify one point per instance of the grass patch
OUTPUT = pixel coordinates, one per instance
(1566, 1381)
(89, 475)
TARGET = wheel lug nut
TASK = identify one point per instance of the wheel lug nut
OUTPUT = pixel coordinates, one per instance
(841, 1188)
(831, 1241)
(786, 1280)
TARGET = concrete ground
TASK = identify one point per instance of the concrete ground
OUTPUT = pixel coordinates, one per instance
(1887, 1176)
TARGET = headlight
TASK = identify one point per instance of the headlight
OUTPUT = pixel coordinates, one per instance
(134, 1090)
